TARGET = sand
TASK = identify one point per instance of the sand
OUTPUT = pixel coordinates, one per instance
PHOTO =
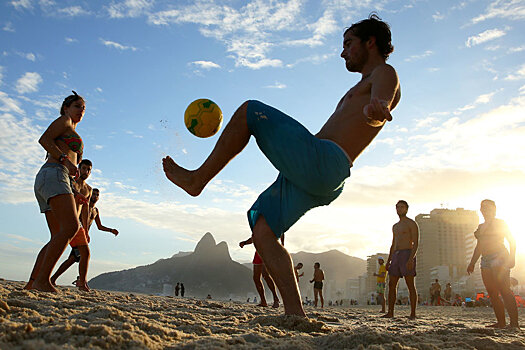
(111, 320)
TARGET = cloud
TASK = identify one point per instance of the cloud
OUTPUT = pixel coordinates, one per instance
(71, 40)
(247, 32)
(117, 46)
(73, 11)
(276, 85)
(129, 8)
(520, 74)
(205, 64)
(98, 147)
(420, 56)
(8, 104)
(22, 4)
(438, 16)
(513, 10)
(8, 27)
(28, 83)
(489, 34)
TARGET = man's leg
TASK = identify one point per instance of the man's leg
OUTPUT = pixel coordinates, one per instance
(63, 268)
(392, 295)
(321, 297)
(257, 272)
(413, 295)
(231, 142)
(316, 296)
(83, 267)
(271, 285)
(279, 264)
(382, 301)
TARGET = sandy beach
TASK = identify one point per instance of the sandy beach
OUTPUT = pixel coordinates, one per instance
(111, 320)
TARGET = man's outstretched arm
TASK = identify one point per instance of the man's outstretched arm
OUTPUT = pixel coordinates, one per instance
(102, 227)
(384, 96)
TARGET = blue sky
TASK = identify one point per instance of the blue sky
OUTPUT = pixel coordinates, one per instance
(457, 135)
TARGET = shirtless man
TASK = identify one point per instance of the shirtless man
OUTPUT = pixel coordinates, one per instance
(296, 269)
(401, 260)
(312, 168)
(318, 284)
(78, 250)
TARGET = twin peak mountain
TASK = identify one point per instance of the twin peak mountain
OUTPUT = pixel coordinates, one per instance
(209, 269)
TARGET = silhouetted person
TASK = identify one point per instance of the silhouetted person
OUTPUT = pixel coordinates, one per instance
(177, 288)
(182, 289)
(496, 262)
(402, 259)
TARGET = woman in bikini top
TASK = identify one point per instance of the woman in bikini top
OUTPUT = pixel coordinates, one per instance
(64, 148)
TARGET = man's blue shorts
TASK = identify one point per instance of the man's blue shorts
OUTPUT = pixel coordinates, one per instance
(312, 171)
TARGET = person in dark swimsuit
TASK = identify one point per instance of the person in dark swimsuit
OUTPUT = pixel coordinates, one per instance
(318, 284)
(54, 191)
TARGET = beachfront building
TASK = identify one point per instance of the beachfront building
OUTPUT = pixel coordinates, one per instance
(352, 289)
(443, 245)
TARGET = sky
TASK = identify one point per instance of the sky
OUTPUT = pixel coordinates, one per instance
(457, 136)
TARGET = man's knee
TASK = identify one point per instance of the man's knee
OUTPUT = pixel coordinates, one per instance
(262, 232)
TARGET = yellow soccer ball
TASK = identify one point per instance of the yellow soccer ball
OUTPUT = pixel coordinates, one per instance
(203, 118)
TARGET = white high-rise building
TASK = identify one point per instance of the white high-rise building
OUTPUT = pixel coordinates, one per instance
(444, 240)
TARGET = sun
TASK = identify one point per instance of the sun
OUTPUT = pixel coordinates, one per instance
(510, 210)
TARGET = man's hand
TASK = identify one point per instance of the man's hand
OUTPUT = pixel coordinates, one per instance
(376, 112)
(114, 231)
(242, 244)
(387, 265)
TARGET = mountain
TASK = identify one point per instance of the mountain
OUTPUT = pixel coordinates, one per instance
(209, 269)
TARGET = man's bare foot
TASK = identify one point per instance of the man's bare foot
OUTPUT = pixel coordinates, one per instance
(29, 284)
(83, 286)
(387, 315)
(412, 317)
(45, 286)
(181, 177)
(496, 325)
(513, 326)
(262, 304)
(275, 304)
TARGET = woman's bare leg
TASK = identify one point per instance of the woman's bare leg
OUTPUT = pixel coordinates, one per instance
(231, 142)
(54, 228)
(491, 284)
(257, 272)
(65, 212)
(271, 285)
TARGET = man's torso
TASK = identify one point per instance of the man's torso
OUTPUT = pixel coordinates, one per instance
(347, 126)
(402, 234)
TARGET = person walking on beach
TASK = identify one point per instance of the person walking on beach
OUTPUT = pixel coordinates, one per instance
(380, 282)
(401, 260)
(296, 269)
(496, 262)
(79, 243)
(447, 294)
(312, 168)
(53, 189)
(260, 270)
(182, 290)
(318, 284)
(177, 288)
